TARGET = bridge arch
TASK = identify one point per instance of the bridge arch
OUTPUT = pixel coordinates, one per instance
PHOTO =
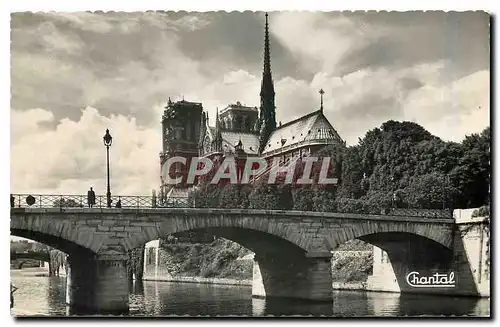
(368, 229)
(60, 234)
(308, 236)
(38, 255)
(22, 262)
(252, 232)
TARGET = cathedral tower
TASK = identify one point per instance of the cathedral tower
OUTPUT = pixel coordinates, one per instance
(267, 115)
(181, 126)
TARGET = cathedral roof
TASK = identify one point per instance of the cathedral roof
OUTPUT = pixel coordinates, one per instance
(250, 141)
(178, 193)
(311, 127)
(238, 106)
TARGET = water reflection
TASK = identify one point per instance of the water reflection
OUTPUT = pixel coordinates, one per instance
(383, 304)
(292, 307)
(350, 304)
(46, 296)
(412, 304)
(56, 293)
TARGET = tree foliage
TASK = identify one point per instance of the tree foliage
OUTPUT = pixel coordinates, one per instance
(58, 260)
(67, 203)
(399, 164)
(135, 263)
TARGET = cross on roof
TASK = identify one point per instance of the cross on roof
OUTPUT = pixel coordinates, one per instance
(321, 92)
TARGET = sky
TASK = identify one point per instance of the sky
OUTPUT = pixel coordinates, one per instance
(75, 74)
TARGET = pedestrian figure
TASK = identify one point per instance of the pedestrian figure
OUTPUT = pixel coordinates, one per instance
(12, 290)
(119, 203)
(91, 198)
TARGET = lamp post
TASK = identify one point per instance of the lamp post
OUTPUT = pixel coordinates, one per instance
(107, 143)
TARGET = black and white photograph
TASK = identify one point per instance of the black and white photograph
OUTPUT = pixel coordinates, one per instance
(280, 163)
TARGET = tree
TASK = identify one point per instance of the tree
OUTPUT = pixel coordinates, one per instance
(399, 164)
(206, 195)
(263, 196)
(472, 174)
(430, 191)
(302, 198)
(67, 203)
(58, 260)
(135, 263)
(324, 200)
(232, 196)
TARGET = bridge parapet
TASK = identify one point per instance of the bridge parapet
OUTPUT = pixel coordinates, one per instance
(200, 212)
(66, 202)
(80, 201)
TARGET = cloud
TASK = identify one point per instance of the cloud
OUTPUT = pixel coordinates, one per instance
(71, 158)
(341, 43)
(317, 40)
(452, 110)
(63, 64)
(122, 67)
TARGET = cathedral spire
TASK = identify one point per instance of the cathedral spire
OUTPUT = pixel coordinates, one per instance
(218, 135)
(267, 53)
(267, 119)
(267, 87)
(217, 119)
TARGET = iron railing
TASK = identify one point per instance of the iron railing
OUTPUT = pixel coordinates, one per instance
(81, 201)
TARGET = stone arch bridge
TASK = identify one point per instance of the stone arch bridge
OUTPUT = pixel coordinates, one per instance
(292, 248)
(20, 258)
(35, 255)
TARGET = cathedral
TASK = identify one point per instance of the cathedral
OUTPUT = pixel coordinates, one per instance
(240, 131)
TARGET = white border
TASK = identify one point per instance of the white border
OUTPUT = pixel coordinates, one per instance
(197, 5)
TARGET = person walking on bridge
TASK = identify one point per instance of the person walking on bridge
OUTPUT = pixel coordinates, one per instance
(91, 198)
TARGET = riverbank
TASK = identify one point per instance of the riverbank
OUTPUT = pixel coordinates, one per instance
(30, 272)
(35, 272)
(356, 286)
(199, 280)
(224, 262)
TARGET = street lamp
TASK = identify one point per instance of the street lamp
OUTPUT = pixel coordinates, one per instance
(107, 143)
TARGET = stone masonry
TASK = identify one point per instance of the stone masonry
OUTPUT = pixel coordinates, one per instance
(468, 259)
(292, 248)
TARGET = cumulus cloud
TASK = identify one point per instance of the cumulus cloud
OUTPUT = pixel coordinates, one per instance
(72, 157)
(452, 110)
(75, 74)
(318, 40)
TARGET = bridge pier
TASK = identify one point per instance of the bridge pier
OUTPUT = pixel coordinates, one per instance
(307, 277)
(97, 285)
(468, 259)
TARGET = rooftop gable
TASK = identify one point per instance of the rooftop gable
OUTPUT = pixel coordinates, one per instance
(313, 126)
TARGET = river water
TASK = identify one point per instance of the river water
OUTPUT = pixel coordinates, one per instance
(45, 296)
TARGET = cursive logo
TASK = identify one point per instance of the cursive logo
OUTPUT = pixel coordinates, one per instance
(437, 280)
